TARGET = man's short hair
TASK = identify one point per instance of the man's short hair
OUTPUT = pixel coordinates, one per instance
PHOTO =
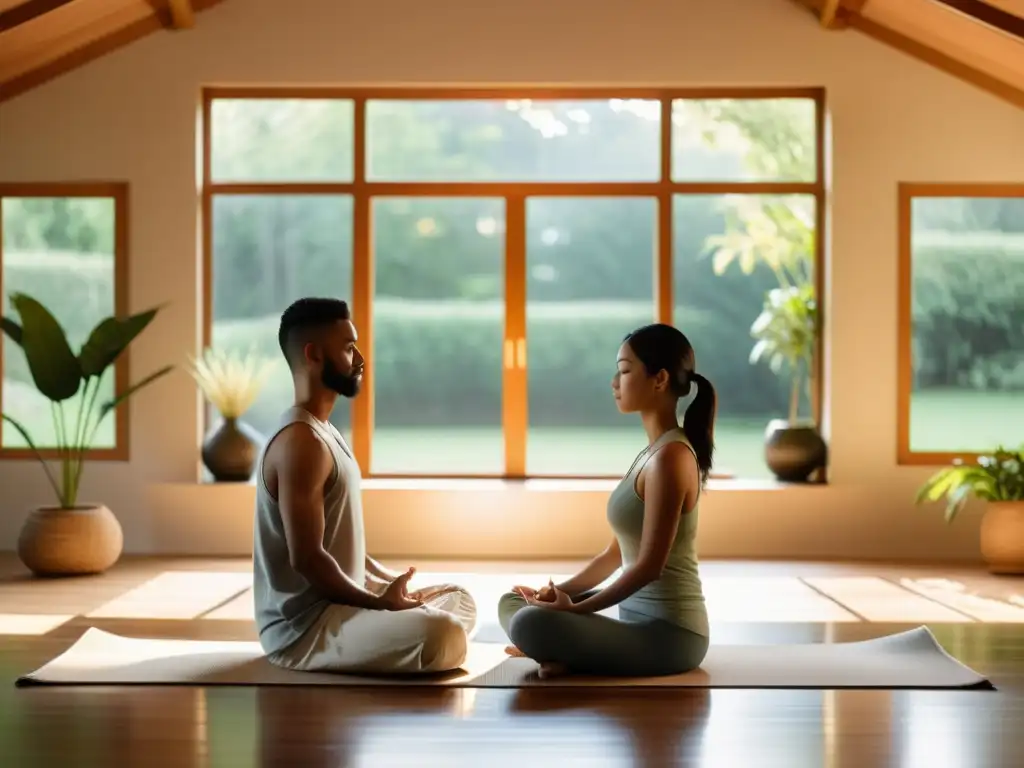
(303, 319)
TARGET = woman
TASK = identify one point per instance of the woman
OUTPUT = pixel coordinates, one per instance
(663, 625)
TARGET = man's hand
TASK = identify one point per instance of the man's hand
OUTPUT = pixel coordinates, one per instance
(396, 597)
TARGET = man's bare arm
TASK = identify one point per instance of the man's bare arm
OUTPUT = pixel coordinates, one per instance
(302, 470)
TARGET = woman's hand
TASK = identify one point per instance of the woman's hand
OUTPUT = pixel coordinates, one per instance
(544, 593)
(549, 597)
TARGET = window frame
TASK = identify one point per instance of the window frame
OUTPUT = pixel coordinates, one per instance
(907, 192)
(515, 424)
(117, 191)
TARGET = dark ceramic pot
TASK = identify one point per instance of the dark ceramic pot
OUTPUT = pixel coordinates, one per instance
(230, 451)
(793, 452)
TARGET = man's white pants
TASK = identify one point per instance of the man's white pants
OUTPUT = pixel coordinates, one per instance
(431, 638)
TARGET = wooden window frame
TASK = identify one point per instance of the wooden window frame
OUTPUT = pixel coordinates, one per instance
(515, 424)
(907, 193)
(118, 192)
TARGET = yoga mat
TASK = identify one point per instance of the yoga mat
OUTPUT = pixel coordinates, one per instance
(912, 659)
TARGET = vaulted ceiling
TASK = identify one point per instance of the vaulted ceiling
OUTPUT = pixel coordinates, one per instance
(42, 39)
(981, 41)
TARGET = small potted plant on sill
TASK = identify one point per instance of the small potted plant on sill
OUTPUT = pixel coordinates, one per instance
(998, 480)
(230, 382)
(780, 236)
(786, 332)
(71, 538)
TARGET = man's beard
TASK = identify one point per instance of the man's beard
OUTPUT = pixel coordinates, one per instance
(346, 385)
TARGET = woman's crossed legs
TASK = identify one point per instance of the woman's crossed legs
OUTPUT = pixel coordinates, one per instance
(590, 643)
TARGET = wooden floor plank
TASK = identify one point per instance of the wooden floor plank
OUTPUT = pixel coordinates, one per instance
(877, 599)
(960, 597)
(197, 728)
(175, 595)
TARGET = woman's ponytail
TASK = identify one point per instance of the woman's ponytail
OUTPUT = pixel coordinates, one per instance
(699, 424)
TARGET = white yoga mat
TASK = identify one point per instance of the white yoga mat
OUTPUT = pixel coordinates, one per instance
(912, 659)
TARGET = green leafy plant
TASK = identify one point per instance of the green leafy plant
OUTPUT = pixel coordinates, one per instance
(780, 236)
(59, 374)
(998, 476)
(786, 332)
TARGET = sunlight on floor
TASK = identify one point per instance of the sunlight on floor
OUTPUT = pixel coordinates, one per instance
(175, 595)
(769, 599)
(227, 596)
(30, 624)
(746, 599)
(955, 594)
(239, 608)
(879, 600)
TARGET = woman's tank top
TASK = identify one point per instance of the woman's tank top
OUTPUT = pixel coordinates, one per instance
(677, 595)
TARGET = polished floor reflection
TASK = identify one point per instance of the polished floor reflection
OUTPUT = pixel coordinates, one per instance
(197, 728)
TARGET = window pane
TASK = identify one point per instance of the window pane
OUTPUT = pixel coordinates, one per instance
(967, 266)
(723, 244)
(59, 251)
(590, 281)
(439, 318)
(298, 140)
(268, 251)
(747, 140)
(514, 140)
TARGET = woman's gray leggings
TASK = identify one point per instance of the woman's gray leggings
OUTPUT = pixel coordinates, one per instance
(590, 643)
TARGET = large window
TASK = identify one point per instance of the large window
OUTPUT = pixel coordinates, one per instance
(496, 248)
(65, 246)
(961, 340)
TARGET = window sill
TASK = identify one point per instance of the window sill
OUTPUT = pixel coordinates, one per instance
(549, 485)
(535, 485)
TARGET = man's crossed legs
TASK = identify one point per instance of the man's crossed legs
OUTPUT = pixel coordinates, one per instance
(433, 637)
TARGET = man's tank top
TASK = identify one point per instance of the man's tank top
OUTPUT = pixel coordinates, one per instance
(286, 605)
(677, 595)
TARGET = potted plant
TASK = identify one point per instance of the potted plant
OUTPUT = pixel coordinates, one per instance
(998, 480)
(780, 236)
(71, 538)
(230, 382)
(786, 332)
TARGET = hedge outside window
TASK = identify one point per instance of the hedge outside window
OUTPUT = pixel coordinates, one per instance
(961, 333)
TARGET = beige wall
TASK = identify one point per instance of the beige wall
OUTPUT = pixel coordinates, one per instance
(132, 115)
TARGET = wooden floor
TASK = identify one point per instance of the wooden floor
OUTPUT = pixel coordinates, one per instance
(977, 618)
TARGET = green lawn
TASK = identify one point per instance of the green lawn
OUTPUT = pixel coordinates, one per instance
(550, 451)
(965, 421)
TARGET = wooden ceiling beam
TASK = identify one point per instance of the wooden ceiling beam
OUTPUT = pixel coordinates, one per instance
(23, 68)
(829, 9)
(988, 14)
(1011, 92)
(19, 13)
(1013, 7)
(833, 14)
(182, 14)
(849, 15)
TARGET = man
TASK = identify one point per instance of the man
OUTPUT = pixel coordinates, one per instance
(322, 604)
